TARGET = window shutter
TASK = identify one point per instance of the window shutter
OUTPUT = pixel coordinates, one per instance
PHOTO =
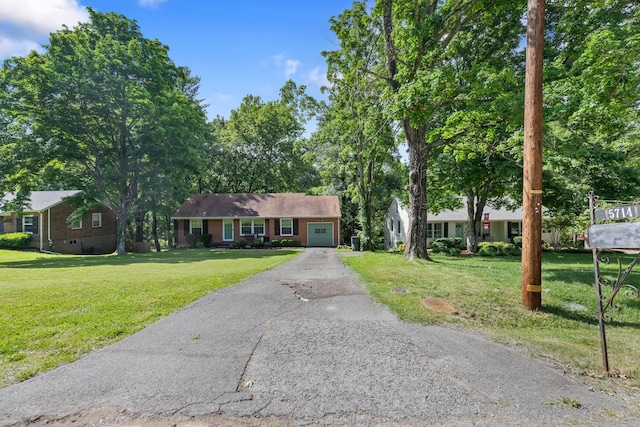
(35, 224)
(18, 223)
(186, 227)
(205, 226)
(509, 229)
(276, 225)
(446, 230)
(295, 226)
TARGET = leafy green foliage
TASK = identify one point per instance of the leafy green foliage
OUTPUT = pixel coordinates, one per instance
(497, 249)
(592, 83)
(108, 103)
(432, 66)
(285, 243)
(206, 240)
(450, 245)
(260, 148)
(517, 241)
(14, 240)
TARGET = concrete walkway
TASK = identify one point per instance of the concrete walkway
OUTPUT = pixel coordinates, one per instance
(303, 344)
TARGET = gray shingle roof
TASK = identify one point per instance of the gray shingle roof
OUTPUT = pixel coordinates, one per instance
(270, 205)
(461, 214)
(43, 200)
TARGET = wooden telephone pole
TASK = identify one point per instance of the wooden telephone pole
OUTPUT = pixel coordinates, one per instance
(532, 188)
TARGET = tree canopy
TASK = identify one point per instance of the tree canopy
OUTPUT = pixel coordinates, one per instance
(105, 100)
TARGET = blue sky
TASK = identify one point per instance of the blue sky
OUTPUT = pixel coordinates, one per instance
(237, 47)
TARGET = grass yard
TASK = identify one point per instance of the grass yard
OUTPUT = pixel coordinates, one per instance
(54, 309)
(487, 293)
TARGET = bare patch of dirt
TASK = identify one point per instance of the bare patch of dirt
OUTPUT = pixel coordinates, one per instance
(438, 304)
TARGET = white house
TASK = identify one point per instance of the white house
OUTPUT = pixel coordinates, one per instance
(498, 224)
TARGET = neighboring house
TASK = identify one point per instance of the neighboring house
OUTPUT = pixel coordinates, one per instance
(45, 218)
(312, 220)
(502, 225)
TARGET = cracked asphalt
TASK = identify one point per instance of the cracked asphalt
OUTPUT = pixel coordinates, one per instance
(303, 344)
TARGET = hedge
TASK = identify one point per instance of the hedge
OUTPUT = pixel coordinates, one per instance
(497, 249)
(14, 240)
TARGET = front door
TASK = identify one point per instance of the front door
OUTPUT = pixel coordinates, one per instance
(227, 230)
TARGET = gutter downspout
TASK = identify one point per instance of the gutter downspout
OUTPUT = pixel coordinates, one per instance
(48, 233)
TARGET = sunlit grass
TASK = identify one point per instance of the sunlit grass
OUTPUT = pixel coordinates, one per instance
(487, 294)
(53, 308)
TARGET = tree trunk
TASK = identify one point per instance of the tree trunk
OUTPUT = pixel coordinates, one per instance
(139, 218)
(172, 232)
(416, 245)
(475, 210)
(154, 230)
(473, 227)
(122, 231)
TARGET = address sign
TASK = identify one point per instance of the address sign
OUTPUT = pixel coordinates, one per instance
(618, 212)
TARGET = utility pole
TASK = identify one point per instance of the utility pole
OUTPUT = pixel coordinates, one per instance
(532, 188)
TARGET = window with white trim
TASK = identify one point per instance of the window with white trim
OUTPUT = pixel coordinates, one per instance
(76, 225)
(246, 227)
(258, 227)
(195, 226)
(29, 224)
(96, 220)
(252, 227)
(434, 230)
(286, 226)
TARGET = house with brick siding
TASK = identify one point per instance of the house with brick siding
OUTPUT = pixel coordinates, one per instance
(45, 218)
(311, 220)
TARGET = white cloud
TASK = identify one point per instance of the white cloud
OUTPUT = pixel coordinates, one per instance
(315, 77)
(282, 63)
(291, 66)
(16, 47)
(28, 25)
(150, 3)
(40, 17)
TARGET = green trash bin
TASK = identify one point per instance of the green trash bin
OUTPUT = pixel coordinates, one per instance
(355, 243)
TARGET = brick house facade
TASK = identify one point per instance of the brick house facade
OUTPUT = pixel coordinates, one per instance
(45, 218)
(311, 220)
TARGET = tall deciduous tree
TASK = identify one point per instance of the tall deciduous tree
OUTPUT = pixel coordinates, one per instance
(592, 99)
(418, 62)
(260, 148)
(358, 124)
(108, 100)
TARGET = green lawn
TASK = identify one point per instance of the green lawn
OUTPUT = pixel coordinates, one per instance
(487, 293)
(55, 308)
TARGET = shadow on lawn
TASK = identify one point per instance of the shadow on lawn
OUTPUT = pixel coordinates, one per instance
(174, 256)
(589, 319)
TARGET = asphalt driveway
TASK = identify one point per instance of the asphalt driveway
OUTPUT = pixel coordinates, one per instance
(303, 344)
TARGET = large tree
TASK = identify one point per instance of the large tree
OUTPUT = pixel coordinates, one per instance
(365, 135)
(592, 94)
(109, 103)
(420, 45)
(260, 148)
